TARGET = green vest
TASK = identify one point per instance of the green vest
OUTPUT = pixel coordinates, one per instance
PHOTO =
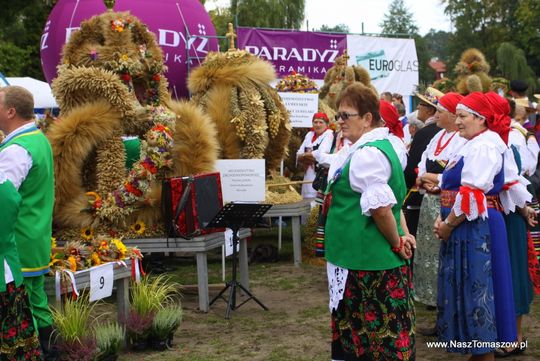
(9, 207)
(33, 229)
(352, 240)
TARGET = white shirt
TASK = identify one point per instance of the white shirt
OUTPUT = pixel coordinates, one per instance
(15, 161)
(482, 161)
(447, 153)
(401, 150)
(8, 276)
(369, 171)
(324, 142)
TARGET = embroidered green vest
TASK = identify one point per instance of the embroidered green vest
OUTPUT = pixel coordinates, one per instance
(33, 229)
(9, 207)
(352, 240)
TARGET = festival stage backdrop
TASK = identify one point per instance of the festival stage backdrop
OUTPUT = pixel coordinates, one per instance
(167, 19)
(392, 63)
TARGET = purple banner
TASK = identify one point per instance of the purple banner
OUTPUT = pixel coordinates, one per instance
(169, 20)
(309, 53)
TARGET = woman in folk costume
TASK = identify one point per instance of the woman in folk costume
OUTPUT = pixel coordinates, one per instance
(516, 219)
(444, 145)
(391, 120)
(474, 297)
(319, 138)
(18, 337)
(366, 246)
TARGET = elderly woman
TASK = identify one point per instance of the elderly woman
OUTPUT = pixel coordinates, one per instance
(18, 337)
(475, 300)
(367, 245)
(443, 146)
(319, 138)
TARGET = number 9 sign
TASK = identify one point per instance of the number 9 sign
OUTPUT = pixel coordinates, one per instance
(101, 281)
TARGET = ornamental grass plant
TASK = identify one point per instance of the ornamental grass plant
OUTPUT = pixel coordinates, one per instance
(74, 335)
(166, 322)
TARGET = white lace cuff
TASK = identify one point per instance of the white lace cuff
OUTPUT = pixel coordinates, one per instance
(473, 205)
(515, 195)
(377, 195)
(337, 277)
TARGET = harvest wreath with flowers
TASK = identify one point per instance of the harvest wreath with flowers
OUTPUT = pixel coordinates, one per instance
(111, 85)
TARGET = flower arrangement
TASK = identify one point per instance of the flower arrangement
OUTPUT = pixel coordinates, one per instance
(120, 24)
(296, 83)
(76, 256)
(155, 161)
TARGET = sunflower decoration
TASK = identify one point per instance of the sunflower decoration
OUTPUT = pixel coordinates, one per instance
(117, 246)
(87, 233)
(138, 227)
(72, 261)
(95, 260)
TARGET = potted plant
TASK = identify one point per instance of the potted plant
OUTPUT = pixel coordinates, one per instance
(165, 323)
(147, 297)
(109, 340)
(74, 339)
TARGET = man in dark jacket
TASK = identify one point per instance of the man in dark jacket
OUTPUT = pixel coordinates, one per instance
(426, 112)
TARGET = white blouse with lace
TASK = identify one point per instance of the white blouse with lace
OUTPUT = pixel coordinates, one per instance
(483, 160)
(448, 152)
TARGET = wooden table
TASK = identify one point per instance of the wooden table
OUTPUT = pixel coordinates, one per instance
(122, 275)
(295, 211)
(200, 246)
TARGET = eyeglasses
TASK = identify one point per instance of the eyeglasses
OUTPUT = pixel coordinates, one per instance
(345, 115)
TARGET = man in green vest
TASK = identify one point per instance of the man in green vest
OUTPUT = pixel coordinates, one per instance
(26, 158)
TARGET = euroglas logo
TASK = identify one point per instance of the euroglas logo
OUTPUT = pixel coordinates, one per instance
(380, 67)
(373, 62)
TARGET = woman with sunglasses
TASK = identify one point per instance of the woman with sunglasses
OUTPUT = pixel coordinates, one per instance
(366, 245)
(18, 337)
(475, 301)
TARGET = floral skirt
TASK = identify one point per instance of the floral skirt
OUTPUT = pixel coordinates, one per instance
(375, 320)
(18, 338)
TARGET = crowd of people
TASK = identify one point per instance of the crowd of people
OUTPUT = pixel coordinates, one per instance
(453, 211)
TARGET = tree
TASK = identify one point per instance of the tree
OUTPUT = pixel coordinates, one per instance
(21, 25)
(339, 28)
(437, 44)
(526, 34)
(281, 14)
(480, 24)
(512, 64)
(398, 20)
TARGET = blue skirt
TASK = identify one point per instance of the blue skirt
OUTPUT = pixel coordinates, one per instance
(502, 278)
(465, 293)
(517, 245)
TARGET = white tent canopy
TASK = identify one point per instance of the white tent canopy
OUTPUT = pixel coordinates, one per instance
(43, 97)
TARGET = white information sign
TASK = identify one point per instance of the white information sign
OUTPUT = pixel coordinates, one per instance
(229, 243)
(301, 107)
(242, 180)
(101, 281)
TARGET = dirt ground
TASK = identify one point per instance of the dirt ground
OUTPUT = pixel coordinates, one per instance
(296, 326)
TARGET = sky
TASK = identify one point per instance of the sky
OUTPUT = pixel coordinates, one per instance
(427, 14)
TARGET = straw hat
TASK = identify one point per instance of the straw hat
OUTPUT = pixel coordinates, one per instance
(430, 96)
(524, 102)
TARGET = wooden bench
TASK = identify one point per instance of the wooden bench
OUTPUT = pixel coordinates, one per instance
(200, 246)
(122, 275)
(295, 211)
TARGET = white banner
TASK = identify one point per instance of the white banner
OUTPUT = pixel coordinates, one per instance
(392, 63)
(242, 180)
(301, 107)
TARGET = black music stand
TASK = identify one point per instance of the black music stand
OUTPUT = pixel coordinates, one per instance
(236, 216)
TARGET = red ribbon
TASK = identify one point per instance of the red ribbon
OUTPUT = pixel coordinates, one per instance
(315, 135)
(478, 194)
(507, 186)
